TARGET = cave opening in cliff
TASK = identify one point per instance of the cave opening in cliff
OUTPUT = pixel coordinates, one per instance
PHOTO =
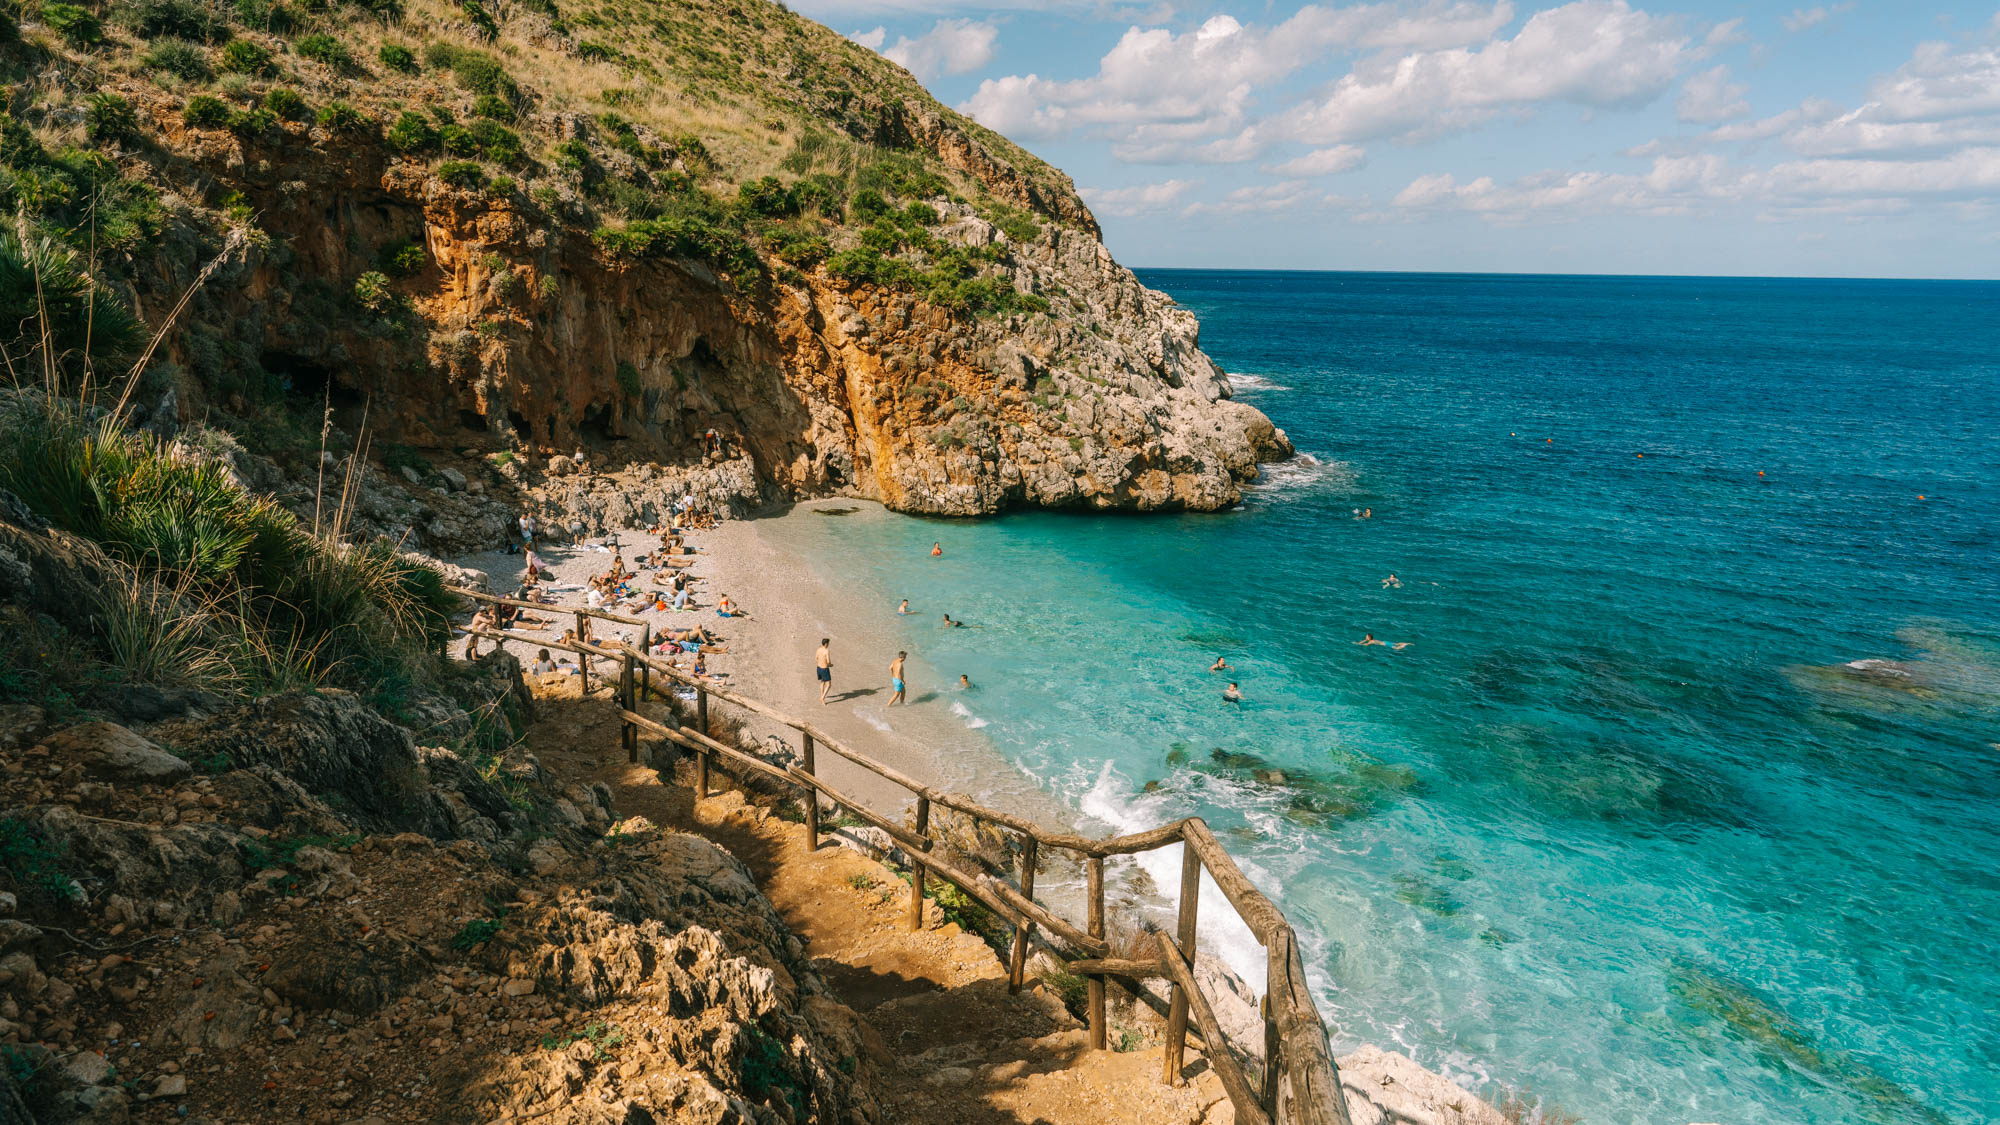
(473, 420)
(597, 421)
(311, 385)
(522, 429)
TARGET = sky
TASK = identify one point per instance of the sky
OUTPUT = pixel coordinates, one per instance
(1856, 138)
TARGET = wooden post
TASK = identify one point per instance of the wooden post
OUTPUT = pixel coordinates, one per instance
(1017, 969)
(701, 760)
(1177, 1009)
(646, 670)
(1273, 1046)
(1093, 869)
(626, 690)
(812, 800)
(917, 875)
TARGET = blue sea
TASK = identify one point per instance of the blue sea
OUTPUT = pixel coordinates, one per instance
(1680, 803)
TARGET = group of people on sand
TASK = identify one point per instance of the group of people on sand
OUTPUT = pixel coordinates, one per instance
(623, 588)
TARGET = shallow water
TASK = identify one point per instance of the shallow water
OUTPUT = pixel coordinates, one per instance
(1678, 807)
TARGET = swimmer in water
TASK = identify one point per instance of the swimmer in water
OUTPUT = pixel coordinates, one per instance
(1231, 694)
(1220, 665)
(950, 624)
(904, 609)
(1369, 639)
(1392, 583)
(963, 682)
(937, 549)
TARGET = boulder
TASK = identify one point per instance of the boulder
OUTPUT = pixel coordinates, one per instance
(110, 752)
(1387, 1088)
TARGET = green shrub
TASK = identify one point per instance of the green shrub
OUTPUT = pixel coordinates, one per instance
(480, 73)
(287, 104)
(476, 933)
(397, 57)
(372, 292)
(412, 135)
(179, 19)
(593, 52)
(339, 117)
(323, 48)
(33, 865)
(77, 26)
(868, 203)
(494, 106)
(766, 196)
(484, 26)
(439, 55)
(920, 215)
(462, 173)
(244, 57)
(108, 117)
(866, 264)
(574, 156)
(205, 111)
(801, 247)
(401, 259)
(180, 58)
(629, 382)
(251, 122)
(820, 193)
(495, 142)
(81, 317)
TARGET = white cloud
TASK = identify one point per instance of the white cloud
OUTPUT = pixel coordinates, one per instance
(1803, 18)
(1139, 199)
(1599, 53)
(1321, 162)
(1710, 97)
(1164, 96)
(951, 46)
(1259, 199)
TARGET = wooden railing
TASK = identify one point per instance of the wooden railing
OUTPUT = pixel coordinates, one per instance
(1299, 1084)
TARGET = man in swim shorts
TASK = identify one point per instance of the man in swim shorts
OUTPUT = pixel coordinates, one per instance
(896, 679)
(823, 668)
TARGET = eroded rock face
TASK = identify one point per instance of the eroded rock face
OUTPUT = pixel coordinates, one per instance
(812, 385)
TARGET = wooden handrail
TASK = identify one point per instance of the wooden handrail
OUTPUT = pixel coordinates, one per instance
(1220, 1059)
(1301, 1083)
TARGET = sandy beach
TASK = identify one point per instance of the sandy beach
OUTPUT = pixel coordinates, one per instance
(770, 655)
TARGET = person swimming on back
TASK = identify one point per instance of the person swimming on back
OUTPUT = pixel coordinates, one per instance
(1231, 694)
(1392, 583)
(1220, 665)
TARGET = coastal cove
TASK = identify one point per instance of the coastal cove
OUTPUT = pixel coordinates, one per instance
(1575, 839)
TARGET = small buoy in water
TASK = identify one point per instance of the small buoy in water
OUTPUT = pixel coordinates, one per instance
(1760, 472)
(1920, 496)
(1638, 455)
(1552, 441)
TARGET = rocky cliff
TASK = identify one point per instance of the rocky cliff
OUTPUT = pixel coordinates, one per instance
(535, 229)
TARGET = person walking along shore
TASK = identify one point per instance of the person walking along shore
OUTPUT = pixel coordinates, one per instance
(896, 679)
(823, 668)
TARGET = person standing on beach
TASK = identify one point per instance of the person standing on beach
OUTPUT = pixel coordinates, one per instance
(823, 668)
(527, 530)
(896, 680)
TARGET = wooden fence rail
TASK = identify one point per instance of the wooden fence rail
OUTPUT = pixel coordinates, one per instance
(1299, 1084)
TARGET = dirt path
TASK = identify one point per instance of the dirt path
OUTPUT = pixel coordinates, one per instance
(957, 1047)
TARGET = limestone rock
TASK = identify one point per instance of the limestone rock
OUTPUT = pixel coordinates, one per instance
(113, 753)
(1387, 1088)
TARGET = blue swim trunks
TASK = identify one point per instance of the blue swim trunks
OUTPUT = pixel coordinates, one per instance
(896, 683)
(825, 675)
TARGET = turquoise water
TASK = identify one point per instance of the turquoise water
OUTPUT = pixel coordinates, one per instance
(1680, 804)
